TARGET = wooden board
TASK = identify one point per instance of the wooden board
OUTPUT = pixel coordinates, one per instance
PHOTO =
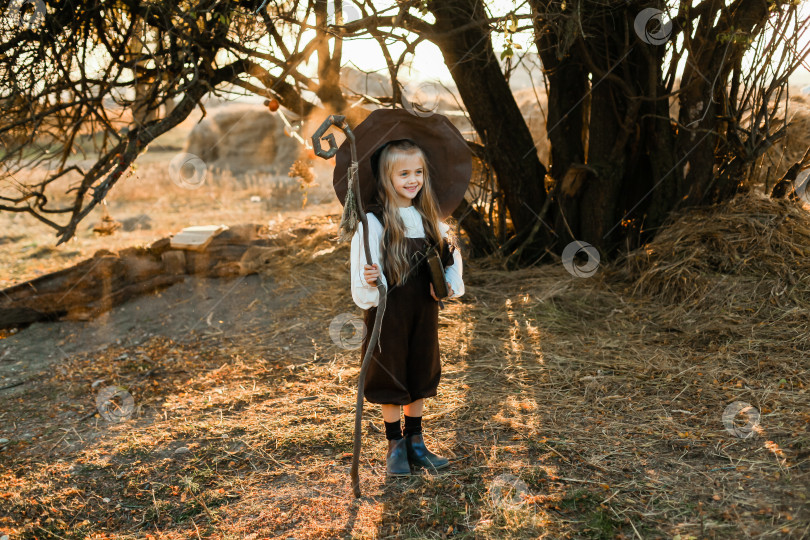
(196, 238)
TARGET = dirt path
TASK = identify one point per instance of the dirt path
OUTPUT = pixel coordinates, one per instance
(196, 306)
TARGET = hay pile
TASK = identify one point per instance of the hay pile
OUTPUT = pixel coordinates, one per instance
(747, 249)
(243, 137)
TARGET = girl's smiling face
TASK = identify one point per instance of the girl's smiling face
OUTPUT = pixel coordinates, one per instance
(408, 179)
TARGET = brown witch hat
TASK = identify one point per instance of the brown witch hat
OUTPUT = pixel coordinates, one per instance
(449, 158)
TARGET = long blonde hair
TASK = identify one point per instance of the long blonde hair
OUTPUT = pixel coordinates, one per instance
(393, 243)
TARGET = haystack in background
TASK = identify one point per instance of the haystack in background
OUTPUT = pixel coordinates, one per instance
(244, 137)
(744, 254)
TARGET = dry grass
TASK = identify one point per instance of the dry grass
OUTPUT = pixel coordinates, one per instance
(604, 396)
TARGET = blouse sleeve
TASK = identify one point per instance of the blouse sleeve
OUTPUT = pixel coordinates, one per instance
(453, 272)
(365, 294)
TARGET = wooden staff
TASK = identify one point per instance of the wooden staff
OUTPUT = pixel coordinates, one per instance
(348, 224)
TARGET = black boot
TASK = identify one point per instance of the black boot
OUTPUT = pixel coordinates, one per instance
(396, 461)
(419, 455)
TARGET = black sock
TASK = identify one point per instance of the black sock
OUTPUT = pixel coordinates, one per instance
(413, 425)
(393, 430)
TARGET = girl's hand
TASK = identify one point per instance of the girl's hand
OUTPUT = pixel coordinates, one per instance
(371, 273)
(449, 291)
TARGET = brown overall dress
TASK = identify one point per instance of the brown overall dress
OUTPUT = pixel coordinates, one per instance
(405, 364)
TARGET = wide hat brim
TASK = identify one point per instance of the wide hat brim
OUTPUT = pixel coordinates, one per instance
(449, 158)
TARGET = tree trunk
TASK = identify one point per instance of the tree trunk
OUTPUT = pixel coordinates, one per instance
(329, 90)
(591, 208)
(482, 241)
(568, 88)
(624, 188)
(493, 111)
(653, 182)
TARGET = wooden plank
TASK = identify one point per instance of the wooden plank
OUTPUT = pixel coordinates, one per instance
(196, 238)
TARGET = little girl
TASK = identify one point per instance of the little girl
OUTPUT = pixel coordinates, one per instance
(404, 369)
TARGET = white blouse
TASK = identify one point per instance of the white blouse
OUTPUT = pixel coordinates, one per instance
(365, 294)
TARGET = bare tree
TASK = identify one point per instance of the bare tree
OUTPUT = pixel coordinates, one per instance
(621, 161)
(104, 71)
